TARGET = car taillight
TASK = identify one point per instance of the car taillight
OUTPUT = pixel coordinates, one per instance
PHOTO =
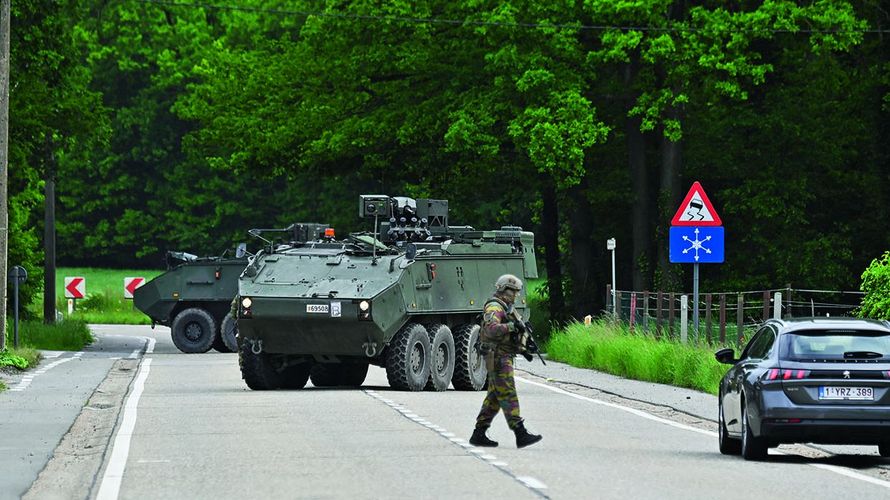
(781, 374)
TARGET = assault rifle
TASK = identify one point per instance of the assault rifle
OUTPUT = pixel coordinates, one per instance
(530, 345)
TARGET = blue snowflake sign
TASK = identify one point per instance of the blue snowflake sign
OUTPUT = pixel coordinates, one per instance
(696, 244)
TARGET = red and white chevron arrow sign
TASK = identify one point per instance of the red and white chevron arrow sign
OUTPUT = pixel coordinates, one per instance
(131, 284)
(75, 287)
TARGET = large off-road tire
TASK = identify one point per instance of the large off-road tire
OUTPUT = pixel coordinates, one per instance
(193, 330)
(219, 346)
(442, 360)
(470, 373)
(228, 333)
(353, 374)
(257, 370)
(295, 376)
(325, 374)
(728, 445)
(753, 448)
(408, 358)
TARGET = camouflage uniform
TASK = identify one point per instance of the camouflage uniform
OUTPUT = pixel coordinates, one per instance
(496, 334)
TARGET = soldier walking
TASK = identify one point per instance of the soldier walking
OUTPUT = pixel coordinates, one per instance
(502, 335)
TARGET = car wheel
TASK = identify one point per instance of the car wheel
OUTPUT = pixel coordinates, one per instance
(884, 449)
(728, 445)
(753, 448)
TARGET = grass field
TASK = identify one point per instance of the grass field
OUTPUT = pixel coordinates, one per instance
(104, 302)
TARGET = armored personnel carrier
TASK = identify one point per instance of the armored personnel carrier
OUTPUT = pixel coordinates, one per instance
(406, 297)
(194, 296)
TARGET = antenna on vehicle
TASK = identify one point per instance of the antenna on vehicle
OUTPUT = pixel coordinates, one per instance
(374, 246)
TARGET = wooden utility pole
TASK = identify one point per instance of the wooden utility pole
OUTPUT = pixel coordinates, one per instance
(49, 235)
(4, 148)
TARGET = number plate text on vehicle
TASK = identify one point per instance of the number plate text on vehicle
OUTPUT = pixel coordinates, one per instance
(317, 308)
(851, 393)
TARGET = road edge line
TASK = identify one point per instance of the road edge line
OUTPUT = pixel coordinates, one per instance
(109, 487)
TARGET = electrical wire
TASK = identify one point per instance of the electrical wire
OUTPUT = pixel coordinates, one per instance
(459, 22)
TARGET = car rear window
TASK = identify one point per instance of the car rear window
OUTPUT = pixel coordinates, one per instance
(828, 345)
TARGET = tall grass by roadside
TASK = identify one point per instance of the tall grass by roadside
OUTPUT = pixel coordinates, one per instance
(610, 348)
(67, 335)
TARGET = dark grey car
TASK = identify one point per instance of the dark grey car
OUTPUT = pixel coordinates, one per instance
(813, 380)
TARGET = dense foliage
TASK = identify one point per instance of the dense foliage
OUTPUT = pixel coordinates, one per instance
(876, 285)
(581, 120)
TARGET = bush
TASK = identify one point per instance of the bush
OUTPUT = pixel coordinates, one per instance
(876, 285)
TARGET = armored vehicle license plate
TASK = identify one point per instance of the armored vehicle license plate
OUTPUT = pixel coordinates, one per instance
(851, 393)
(317, 308)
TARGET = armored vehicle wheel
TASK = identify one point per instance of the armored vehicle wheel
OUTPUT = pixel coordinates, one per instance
(295, 376)
(470, 373)
(325, 374)
(228, 332)
(218, 343)
(408, 358)
(193, 330)
(442, 349)
(257, 370)
(353, 374)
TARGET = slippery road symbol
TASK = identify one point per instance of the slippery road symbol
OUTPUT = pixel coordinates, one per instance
(697, 244)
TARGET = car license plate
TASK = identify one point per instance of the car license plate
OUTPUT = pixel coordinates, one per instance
(317, 308)
(847, 393)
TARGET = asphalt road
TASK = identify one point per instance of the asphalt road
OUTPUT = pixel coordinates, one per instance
(186, 426)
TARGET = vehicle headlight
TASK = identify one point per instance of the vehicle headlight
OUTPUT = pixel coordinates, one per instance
(246, 302)
(364, 305)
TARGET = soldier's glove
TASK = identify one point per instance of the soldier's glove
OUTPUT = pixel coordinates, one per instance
(518, 325)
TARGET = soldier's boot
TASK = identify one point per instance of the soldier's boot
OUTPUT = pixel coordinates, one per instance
(525, 438)
(480, 439)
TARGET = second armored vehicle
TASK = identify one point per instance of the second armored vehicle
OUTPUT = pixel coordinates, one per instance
(408, 300)
(193, 298)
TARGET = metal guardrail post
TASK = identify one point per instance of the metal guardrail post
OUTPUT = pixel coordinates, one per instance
(684, 317)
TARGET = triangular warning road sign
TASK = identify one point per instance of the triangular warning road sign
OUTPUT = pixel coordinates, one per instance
(696, 209)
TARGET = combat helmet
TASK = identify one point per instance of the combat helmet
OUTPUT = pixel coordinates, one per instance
(508, 282)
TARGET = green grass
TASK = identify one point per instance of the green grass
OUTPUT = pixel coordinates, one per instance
(67, 335)
(610, 348)
(104, 302)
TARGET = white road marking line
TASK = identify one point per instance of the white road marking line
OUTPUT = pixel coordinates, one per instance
(639, 413)
(27, 379)
(527, 481)
(134, 354)
(832, 468)
(144, 461)
(532, 482)
(110, 487)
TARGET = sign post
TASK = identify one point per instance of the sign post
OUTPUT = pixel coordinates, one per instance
(17, 275)
(696, 237)
(75, 288)
(610, 245)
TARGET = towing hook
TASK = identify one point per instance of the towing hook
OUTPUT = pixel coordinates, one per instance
(370, 349)
(256, 346)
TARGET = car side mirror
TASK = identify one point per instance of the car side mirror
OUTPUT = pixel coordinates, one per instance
(726, 356)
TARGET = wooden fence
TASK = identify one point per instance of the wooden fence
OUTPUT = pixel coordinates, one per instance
(726, 316)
